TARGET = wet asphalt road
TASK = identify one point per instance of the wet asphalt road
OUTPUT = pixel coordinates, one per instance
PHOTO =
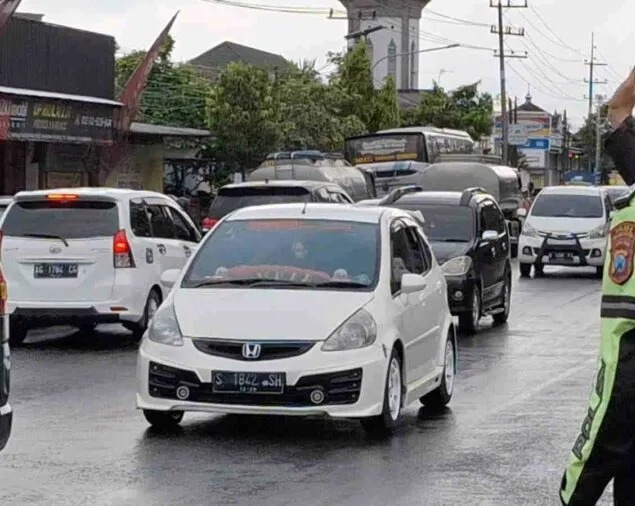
(518, 405)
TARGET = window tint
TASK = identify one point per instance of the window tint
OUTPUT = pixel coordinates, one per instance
(568, 206)
(421, 250)
(492, 219)
(406, 256)
(445, 223)
(161, 222)
(311, 251)
(139, 220)
(75, 219)
(338, 197)
(182, 229)
(323, 195)
(230, 199)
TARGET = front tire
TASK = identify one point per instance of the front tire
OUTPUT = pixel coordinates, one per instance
(468, 321)
(385, 424)
(163, 419)
(442, 395)
(525, 270)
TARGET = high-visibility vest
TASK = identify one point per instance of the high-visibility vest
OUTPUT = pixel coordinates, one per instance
(618, 317)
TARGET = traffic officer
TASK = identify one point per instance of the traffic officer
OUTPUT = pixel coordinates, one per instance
(605, 447)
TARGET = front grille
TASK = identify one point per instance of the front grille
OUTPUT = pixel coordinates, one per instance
(268, 350)
(343, 387)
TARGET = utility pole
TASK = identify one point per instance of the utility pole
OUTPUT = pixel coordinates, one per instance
(501, 31)
(592, 82)
(566, 162)
(598, 144)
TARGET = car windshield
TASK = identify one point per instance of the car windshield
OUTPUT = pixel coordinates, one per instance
(445, 223)
(568, 206)
(74, 219)
(230, 199)
(300, 253)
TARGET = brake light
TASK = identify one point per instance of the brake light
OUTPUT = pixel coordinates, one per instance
(3, 293)
(122, 253)
(208, 223)
(61, 196)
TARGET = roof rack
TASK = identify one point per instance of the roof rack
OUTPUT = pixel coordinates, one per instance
(468, 193)
(474, 158)
(396, 194)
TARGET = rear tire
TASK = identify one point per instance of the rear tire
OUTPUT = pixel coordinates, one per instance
(384, 424)
(17, 333)
(525, 270)
(152, 304)
(163, 419)
(468, 321)
(442, 395)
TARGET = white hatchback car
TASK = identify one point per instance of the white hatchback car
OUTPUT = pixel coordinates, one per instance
(566, 225)
(308, 310)
(84, 256)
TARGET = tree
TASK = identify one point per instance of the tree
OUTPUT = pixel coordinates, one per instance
(175, 94)
(464, 109)
(586, 137)
(387, 113)
(244, 113)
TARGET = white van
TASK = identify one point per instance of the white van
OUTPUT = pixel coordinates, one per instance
(566, 225)
(85, 256)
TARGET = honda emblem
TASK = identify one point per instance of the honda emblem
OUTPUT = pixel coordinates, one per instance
(251, 350)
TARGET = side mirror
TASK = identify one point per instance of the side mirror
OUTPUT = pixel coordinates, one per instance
(411, 283)
(169, 278)
(489, 235)
(521, 213)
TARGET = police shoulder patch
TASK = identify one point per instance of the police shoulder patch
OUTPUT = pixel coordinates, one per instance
(622, 251)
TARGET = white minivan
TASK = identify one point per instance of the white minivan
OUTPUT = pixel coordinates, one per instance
(566, 225)
(85, 256)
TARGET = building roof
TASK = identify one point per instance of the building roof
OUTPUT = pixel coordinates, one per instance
(167, 131)
(212, 62)
(58, 96)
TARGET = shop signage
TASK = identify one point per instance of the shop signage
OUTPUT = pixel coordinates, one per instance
(23, 119)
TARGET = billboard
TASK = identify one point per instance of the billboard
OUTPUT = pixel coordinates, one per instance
(532, 134)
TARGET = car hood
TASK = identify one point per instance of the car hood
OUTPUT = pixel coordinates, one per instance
(445, 251)
(565, 226)
(265, 314)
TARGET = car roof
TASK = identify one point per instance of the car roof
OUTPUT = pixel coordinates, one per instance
(451, 198)
(114, 193)
(313, 211)
(571, 190)
(279, 183)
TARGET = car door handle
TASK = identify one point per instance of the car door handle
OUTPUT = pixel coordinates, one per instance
(187, 250)
(161, 248)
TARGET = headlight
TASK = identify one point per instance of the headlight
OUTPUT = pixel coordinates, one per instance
(599, 232)
(359, 331)
(529, 231)
(458, 266)
(164, 327)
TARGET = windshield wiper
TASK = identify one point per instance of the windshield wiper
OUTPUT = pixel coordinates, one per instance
(47, 236)
(450, 240)
(341, 284)
(249, 282)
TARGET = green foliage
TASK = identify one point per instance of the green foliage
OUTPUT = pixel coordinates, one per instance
(175, 94)
(585, 138)
(463, 109)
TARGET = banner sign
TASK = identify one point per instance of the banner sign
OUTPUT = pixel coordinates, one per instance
(29, 119)
(384, 148)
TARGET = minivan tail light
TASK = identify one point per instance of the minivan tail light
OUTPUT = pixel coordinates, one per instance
(208, 223)
(122, 253)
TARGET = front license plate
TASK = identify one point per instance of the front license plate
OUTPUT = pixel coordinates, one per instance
(55, 271)
(248, 382)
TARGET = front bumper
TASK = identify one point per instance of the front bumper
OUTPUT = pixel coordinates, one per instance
(460, 291)
(557, 250)
(352, 382)
(6, 419)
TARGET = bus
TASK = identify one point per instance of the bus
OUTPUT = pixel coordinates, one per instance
(392, 155)
(420, 144)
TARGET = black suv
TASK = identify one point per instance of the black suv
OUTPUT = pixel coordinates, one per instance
(468, 234)
(236, 196)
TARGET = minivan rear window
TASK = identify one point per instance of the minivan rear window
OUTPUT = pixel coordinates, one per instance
(230, 199)
(78, 219)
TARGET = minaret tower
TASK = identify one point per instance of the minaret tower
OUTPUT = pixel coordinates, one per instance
(392, 50)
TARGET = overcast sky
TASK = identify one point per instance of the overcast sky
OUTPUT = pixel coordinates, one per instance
(555, 68)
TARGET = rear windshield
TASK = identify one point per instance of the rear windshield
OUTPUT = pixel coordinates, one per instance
(230, 199)
(568, 206)
(445, 223)
(70, 220)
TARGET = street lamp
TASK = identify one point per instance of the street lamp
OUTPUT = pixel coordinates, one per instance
(451, 46)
